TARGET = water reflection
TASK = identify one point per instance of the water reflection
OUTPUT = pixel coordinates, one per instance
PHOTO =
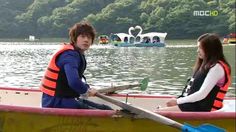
(22, 65)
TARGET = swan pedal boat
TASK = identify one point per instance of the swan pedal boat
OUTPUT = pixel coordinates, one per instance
(151, 39)
(21, 111)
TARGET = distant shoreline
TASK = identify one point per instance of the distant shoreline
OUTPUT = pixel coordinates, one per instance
(37, 40)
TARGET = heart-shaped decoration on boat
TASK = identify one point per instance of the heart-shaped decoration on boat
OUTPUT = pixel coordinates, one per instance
(135, 31)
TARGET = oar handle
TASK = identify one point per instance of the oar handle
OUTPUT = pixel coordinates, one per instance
(112, 89)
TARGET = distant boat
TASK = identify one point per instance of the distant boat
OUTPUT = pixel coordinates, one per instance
(152, 39)
(103, 39)
(230, 38)
(32, 38)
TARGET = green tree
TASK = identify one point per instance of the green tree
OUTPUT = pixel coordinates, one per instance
(52, 18)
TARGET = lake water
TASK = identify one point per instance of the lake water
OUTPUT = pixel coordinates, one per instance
(23, 64)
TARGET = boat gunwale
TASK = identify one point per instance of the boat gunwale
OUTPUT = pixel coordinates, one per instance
(58, 111)
(20, 89)
(111, 113)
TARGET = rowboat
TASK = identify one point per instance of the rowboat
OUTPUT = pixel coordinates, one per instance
(20, 111)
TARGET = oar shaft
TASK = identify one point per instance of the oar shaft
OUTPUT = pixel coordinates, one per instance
(112, 89)
(143, 112)
(143, 85)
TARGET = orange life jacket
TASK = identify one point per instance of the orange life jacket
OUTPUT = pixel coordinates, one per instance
(218, 102)
(49, 84)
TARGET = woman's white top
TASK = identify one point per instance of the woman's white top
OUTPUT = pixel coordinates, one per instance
(215, 76)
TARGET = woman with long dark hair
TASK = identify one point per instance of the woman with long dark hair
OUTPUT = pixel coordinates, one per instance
(210, 81)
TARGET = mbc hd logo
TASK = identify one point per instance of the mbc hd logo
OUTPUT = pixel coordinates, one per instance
(206, 13)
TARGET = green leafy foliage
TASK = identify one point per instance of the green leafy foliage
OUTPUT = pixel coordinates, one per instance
(53, 18)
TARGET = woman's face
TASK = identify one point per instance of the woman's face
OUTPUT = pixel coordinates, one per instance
(200, 51)
(84, 42)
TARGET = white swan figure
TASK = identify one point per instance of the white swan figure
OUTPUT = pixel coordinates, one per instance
(140, 29)
(138, 37)
(131, 29)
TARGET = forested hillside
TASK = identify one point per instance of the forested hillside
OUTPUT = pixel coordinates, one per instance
(52, 18)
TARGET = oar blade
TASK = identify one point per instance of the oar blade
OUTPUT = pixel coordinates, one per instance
(202, 128)
(144, 84)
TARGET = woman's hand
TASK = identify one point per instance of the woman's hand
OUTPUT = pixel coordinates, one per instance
(172, 102)
(92, 91)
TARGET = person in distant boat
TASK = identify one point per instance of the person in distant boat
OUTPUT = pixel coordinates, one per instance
(148, 40)
(156, 40)
(64, 82)
(210, 81)
(118, 39)
(126, 39)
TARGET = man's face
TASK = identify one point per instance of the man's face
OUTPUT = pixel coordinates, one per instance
(84, 42)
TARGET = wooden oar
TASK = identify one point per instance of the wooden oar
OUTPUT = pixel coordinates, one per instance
(160, 118)
(142, 84)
